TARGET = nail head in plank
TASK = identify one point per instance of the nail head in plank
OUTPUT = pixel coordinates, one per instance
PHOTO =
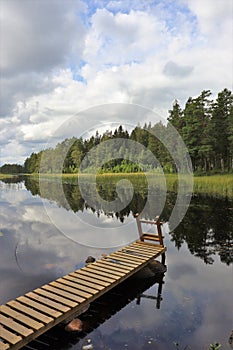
(48, 302)
(40, 307)
(17, 327)
(9, 337)
(63, 293)
(56, 297)
(21, 317)
(29, 311)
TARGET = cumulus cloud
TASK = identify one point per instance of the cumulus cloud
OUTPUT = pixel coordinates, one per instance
(59, 58)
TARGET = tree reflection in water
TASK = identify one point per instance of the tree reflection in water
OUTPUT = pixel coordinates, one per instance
(207, 227)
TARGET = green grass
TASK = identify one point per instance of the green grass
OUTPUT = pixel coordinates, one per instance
(214, 185)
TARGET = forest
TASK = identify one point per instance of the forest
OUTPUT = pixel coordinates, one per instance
(205, 125)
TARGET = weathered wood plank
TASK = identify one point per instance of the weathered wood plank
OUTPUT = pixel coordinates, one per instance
(17, 327)
(152, 245)
(101, 267)
(56, 297)
(9, 337)
(122, 257)
(130, 256)
(63, 293)
(74, 291)
(29, 311)
(96, 276)
(38, 306)
(77, 285)
(4, 346)
(136, 252)
(49, 302)
(101, 272)
(17, 316)
(91, 278)
(120, 267)
(114, 267)
(120, 262)
(83, 282)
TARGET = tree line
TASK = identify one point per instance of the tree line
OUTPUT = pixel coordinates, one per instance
(205, 125)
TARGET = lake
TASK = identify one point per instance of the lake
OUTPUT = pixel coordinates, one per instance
(49, 231)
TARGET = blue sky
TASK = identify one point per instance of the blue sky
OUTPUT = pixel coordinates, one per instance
(61, 57)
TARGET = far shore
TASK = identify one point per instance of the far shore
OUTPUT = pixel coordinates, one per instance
(215, 185)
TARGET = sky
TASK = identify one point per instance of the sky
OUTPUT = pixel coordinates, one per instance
(60, 58)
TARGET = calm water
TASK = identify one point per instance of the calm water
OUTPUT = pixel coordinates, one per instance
(46, 235)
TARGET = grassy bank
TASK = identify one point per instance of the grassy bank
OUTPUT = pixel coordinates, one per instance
(214, 185)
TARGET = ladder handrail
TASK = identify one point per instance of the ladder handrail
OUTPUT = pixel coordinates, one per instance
(157, 222)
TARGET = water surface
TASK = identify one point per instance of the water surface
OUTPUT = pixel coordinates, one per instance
(44, 237)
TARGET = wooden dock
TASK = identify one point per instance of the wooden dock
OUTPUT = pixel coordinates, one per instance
(29, 316)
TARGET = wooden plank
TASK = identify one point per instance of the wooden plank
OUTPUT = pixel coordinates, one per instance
(9, 337)
(4, 346)
(90, 278)
(101, 267)
(149, 250)
(122, 257)
(133, 257)
(77, 286)
(151, 237)
(21, 317)
(29, 311)
(100, 272)
(48, 302)
(146, 246)
(40, 307)
(15, 326)
(146, 249)
(92, 274)
(135, 251)
(71, 290)
(120, 262)
(83, 282)
(63, 293)
(56, 297)
(120, 267)
(115, 267)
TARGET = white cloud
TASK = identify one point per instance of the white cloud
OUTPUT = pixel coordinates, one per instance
(105, 52)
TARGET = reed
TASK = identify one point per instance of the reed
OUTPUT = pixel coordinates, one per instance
(216, 185)
(213, 185)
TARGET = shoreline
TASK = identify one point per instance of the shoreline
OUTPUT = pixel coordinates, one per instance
(215, 185)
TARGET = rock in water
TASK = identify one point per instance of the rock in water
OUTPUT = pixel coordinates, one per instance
(76, 325)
